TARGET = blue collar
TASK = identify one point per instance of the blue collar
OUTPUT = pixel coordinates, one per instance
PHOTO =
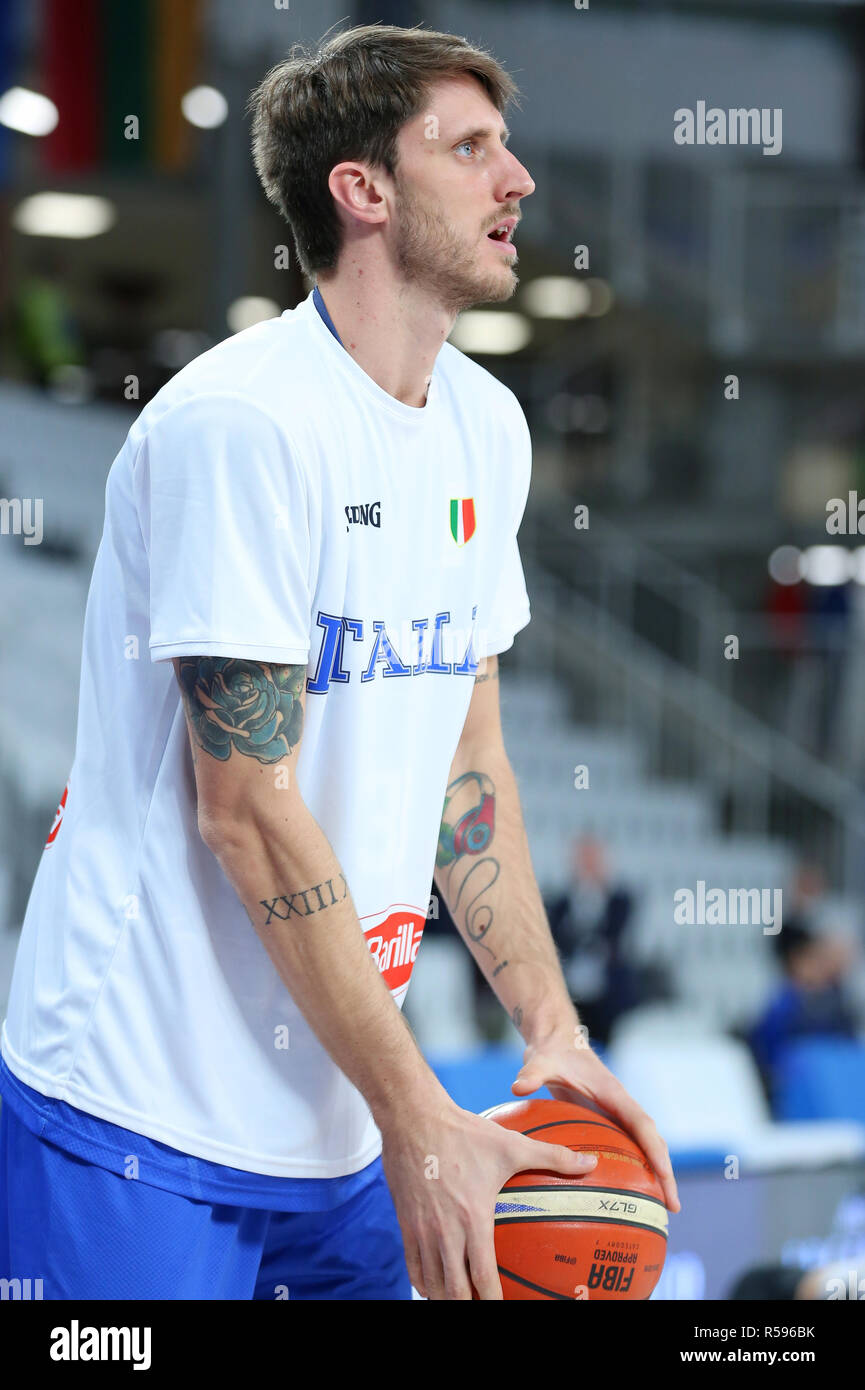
(322, 309)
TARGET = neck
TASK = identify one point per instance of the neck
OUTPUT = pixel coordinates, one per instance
(394, 331)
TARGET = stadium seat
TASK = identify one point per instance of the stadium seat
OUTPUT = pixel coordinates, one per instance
(480, 1079)
(440, 1003)
(664, 1020)
(706, 1094)
(821, 1079)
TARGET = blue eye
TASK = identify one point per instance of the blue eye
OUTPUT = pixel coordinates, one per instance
(466, 145)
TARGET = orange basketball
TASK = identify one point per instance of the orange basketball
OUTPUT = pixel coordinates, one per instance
(601, 1236)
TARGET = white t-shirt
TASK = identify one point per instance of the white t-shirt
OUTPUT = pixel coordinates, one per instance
(273, 503)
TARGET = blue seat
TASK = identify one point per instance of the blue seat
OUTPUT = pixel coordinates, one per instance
(821, 1079)
(697, 1160)
(479, 1080)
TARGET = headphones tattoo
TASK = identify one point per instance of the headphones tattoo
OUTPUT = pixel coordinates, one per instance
(473, 831)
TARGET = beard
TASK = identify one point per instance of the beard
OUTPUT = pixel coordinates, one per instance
(433, 255)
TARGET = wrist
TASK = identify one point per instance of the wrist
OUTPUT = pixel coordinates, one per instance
(545, 1026)
(409, 1102)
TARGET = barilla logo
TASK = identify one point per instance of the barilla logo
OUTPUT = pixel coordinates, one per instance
(394, 940)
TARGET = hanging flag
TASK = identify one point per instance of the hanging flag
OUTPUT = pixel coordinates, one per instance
(126, 85)
(71, 76)
(116, 70)
(7, 67)
(177, 46)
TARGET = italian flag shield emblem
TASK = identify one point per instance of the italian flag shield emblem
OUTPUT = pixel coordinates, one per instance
(462, 519)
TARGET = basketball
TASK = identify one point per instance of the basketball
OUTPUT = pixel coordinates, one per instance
(600, 1236)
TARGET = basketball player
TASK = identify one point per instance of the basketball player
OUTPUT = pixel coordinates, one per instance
(308, 568)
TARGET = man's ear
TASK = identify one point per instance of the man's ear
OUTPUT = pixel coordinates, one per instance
(359, 192)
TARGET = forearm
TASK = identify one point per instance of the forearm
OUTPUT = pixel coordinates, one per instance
(296, 896)
(484, 872)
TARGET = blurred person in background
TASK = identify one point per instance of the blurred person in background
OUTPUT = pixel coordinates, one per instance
(810, 1001)
(589, 922)
(831, 624)
(45, 333)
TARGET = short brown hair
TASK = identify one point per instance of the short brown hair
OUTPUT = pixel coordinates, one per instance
(349, 100)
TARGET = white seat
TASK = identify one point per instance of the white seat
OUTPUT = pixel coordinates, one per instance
(651, 1022)
(706, 1094)
(440, 1002)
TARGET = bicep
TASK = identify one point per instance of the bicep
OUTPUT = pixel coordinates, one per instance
(245, 725)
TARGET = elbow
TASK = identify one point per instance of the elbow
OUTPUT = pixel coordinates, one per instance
(232, 833)
(221, 833)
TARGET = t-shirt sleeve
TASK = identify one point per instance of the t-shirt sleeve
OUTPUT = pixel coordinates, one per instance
(509, 611)
(224, 515)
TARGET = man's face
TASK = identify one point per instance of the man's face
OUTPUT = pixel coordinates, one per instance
(455, 182)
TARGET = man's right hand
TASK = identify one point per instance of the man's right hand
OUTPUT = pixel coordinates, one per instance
(445, 1168)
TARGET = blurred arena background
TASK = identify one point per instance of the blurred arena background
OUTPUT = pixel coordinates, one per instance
(687, 705)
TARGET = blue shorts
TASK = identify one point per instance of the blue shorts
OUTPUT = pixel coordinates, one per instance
(89, 1233)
